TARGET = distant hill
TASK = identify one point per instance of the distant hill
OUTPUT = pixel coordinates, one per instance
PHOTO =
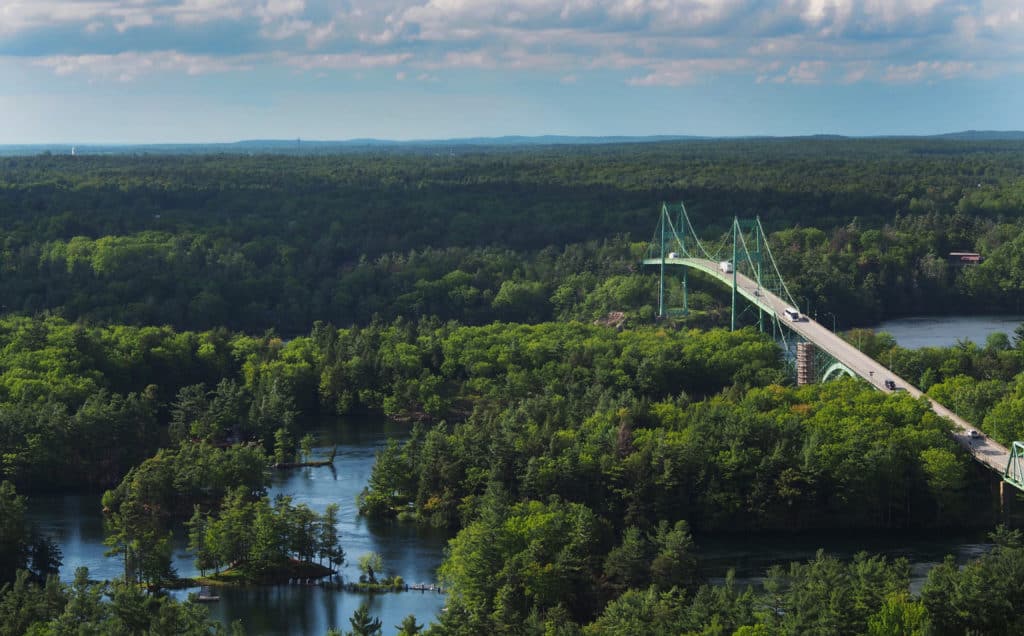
(983, 135)
(509, 140)
(303, 146)
(294, 146)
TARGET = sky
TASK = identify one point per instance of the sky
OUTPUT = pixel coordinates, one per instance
(157, 71)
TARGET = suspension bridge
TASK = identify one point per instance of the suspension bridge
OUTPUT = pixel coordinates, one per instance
(743, 261)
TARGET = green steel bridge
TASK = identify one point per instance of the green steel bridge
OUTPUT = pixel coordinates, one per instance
(743, 262)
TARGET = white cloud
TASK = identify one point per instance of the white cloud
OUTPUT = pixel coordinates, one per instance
(128, 66)
(927, 71)
(807, 72)
(318, 35)
(275, 9)
(461, 60)
(345, 61)
(855, 72)
(647, 42)
(680, 72)
(286, 29)
(204, 11)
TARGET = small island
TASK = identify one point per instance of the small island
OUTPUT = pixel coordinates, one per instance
(237, 533)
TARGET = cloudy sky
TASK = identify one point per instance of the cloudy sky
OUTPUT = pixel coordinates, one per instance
(223, 70)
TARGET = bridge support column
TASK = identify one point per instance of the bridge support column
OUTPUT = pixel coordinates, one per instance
(805, 367)
(661, 279)
(686, 300)
(735, 269)
(1006, 496)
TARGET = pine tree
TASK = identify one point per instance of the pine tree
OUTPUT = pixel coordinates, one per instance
(363, 624)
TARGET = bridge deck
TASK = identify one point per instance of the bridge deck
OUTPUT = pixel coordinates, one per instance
(993, 455)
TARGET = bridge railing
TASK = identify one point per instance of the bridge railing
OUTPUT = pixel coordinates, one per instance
(1015, 466)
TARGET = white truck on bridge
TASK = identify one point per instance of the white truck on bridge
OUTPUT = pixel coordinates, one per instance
(726, 267)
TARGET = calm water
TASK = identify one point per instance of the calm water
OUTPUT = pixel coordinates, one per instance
(751, 558)
(76, 524)
(944, 331)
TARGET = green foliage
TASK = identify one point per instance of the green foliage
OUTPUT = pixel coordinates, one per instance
(822, 596)
(675, 561)
(628, 564)
(363, 624)
(261, 538)
(79, 406)
(899, 615)
(85, 607)
(523, 556)
(569, 454)
(409, 626)
(22, 547)
(328, 539)
(839, 454)
(510, 233)
(13, 532)
(532, 385)
(641, 612)
(371, 564)
(434, 370)
(171, 482)
(306, 447)
(826, 596)
(284, 446)
(983, 598)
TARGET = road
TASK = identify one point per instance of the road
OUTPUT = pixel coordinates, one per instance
(988, 452)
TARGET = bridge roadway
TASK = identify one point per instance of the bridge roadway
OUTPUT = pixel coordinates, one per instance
(988, 452)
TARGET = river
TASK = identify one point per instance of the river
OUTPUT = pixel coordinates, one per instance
(76, 524)
(945, 331)
(750, 559)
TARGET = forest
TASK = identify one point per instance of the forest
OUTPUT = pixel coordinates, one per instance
(862, 229)
(172, 326)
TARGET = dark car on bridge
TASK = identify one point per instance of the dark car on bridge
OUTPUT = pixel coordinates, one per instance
(889, 384)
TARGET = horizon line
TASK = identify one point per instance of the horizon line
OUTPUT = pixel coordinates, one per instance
(477, 139)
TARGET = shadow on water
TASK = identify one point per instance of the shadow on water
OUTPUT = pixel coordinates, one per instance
(751, 555)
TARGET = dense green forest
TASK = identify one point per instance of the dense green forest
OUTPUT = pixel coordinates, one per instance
(862, 229)
(173, 324)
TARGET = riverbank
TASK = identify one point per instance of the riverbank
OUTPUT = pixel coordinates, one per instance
(293, 571)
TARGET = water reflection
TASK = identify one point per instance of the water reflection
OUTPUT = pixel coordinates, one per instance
(76, 524)
(415, 553)
(750, 557)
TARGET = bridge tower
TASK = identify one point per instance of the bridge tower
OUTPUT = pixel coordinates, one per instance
(674, 241)
(745, 248)
(742, 250)
(754, 257)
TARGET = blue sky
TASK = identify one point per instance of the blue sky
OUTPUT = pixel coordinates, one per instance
(136, 71)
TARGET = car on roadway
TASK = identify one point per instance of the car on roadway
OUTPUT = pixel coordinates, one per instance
(974, 434)
(891, 385)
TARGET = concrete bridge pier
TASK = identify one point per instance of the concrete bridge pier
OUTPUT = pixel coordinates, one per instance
(1006, 499)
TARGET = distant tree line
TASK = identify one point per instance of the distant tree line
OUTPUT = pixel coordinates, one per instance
(862, 227)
